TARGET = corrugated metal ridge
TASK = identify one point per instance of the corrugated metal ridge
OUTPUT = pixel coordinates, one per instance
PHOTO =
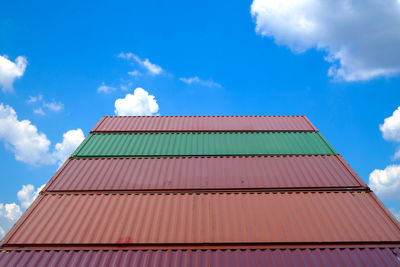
(202, 123)
(258, 257)
(203, 144)
(175, 219)
(206, 173)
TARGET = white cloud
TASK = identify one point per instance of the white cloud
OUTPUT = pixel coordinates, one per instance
(193, 80)
(39, 111)
(28, 194)
(105, 89)
(2, 232)
(54, 106)
(10, 71)
(10, 212)
(23, 138)
(391, 130)
(146, 64)
(391, 127)
(397, 154)
(34, 99)
(71, 140)
(135, 73)
(31, 146)
(386, 183)
(361, 38)
(138, 104)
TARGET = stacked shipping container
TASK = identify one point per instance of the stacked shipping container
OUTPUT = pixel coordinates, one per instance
(204, 191)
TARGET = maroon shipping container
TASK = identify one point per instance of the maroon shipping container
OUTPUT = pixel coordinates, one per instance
(202, 124)
(204, 258)
(205, 173)
(205, 218)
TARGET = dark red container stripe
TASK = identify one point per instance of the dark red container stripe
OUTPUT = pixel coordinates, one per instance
(205, 218)
(203, 124)
(227, 172)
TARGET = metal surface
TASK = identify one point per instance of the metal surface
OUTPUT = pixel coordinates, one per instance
(227, 172)
(205, 218)
(258, 257)
(202, 124)
(190, 144)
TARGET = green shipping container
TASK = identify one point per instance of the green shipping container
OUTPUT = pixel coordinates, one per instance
(196, 144)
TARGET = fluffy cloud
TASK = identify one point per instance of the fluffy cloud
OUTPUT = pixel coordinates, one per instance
(197, 80)
(23, 138)
(28, 194)
(138, 104)
(361, 38)
(391, 127)
(10, 71)
(71, 140)
(10, 212)
(31, 146)
(105, 89)
(146, 64)
(386, 183)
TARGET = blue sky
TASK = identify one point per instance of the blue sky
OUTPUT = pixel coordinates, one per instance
(208, 58)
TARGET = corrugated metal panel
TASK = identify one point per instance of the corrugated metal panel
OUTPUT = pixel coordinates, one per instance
(191, 144)
(194, 218)
(198, 258)
(203, 124)
(228, 172)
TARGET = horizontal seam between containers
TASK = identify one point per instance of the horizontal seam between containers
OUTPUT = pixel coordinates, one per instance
(216, 131)
(211, 190)
(199, 131)
(178, 192)
(152, 245)
(195, 248)
(205, 156)
(192, 155)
